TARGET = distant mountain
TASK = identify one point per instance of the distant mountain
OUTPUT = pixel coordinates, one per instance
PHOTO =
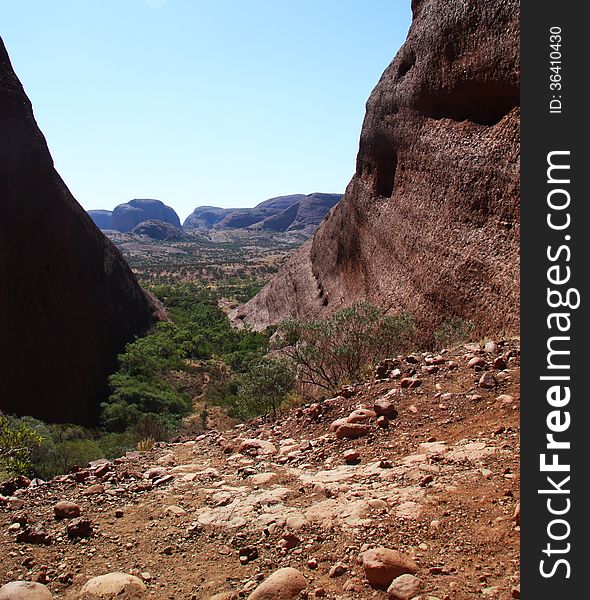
(205, 217)
(101, 218)
(295, 212)
(126, 216)
(159, 230)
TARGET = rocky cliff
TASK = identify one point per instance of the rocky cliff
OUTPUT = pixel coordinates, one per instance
(126, 216)
(430, 220)
(68, 300)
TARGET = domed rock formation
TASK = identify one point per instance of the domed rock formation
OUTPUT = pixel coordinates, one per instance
(101, 218)
(430, 221)
(126, 216)
(159, 230)
(68, 300)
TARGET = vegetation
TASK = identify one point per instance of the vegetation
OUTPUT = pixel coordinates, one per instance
(338, 350)
(453, 331)
(17, 442)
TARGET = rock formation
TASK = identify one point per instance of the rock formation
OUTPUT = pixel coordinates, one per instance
(101, 218)
(159, 230)
(296, 212)
(126, 216)
(430, 220)
(68, 300)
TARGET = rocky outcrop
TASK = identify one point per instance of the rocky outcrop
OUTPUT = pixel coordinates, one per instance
(101, 218)
(296, 212)
(205, 217)
(126, 216)
(160, 230)
(430, 221)
(68, 300)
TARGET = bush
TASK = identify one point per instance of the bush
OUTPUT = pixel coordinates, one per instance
(453, 331)
(264, 387)
(17, 442)
(338, 350)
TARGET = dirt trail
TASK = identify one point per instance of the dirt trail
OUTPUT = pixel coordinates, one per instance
(224, 510)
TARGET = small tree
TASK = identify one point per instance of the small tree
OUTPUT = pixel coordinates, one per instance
(17, 441)
(331, 352)
(265, 386)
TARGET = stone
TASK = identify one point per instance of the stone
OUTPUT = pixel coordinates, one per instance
(351, 457)
(34, 535)
(361, 415)
(91, 490)
(24, 590)
(500, 363)
(257, 446)
(477, 362)
(410, 382)
(352, 430)
(404, 587)
(129, 214)
(385, 407)
(112, 585)
(283, 584)
(338, 570)
(66, 510)
(383, 422)
(79, 528)
(491, 347)
(488, 380)
(383, 565)
(225, 596)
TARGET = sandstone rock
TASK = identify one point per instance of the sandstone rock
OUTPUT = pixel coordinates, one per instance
(383, 422)
(491, 347)
(351, 457)
(338, 570)
(352, 430)
(385, 407)
(79, 528)
(500, 363)
(361, 415)
(225, 596)
(488, 380)
(97, 488)
(66, 510)
(404, 587)
(112, 585)
(257, 446)
(438, 164)
(410, 382)
(60, 269)
(101, 218)
(24, 590)
(383, 565)
(476, 362)
(283, 584)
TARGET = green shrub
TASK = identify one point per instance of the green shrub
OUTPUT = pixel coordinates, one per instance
(17, 442)
(264, 387)
(453, 331)
(328, 353)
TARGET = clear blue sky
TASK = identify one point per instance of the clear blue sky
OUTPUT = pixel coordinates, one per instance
(220, 102)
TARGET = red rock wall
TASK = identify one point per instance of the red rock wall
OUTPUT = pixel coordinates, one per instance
(430, 220)
(68, 300)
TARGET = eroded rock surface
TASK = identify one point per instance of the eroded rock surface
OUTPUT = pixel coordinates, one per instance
(430, 221)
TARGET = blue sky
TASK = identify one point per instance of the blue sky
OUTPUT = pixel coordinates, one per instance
(219, 102)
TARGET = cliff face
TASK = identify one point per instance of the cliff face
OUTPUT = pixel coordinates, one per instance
(430, 220)
(68, 300)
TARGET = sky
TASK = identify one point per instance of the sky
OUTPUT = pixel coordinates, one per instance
(201, 102)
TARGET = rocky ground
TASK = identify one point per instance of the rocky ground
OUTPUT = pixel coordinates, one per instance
(409, 481)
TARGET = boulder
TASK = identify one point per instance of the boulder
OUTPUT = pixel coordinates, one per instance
(66, 510)
(24, 590)
(283, 584)
(112, 585)
(383, 565)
